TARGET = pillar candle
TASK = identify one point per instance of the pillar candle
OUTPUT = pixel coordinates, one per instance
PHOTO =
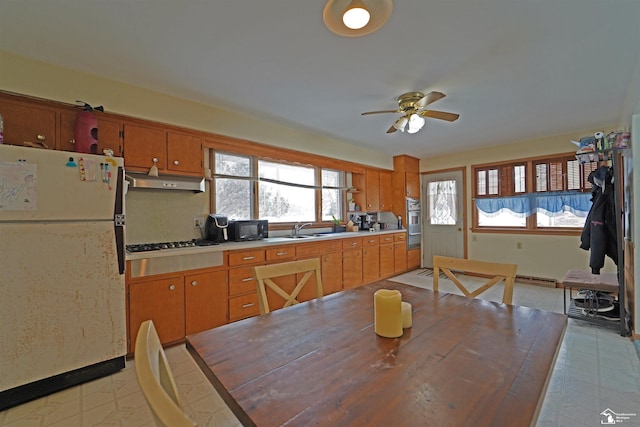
(387, 307)
(406, 315)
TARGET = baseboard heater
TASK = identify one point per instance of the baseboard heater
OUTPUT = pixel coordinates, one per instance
(540, 281)
(27, 392)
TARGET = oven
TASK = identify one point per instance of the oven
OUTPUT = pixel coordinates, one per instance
(414, 228)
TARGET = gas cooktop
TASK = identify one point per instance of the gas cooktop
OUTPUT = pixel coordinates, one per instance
(146, 247)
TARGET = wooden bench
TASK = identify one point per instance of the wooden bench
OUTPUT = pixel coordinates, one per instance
(496, 271)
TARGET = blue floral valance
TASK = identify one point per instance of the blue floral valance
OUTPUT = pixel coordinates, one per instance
(550, 204)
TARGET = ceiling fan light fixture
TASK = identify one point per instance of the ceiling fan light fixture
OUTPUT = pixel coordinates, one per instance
(415, 123)
(373, 14)
(401, 123)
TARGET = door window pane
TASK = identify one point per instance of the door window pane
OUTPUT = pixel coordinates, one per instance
(443, 208)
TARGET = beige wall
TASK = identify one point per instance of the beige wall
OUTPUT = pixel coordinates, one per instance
(540, 256)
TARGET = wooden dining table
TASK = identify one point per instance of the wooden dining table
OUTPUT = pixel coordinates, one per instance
(464, 362)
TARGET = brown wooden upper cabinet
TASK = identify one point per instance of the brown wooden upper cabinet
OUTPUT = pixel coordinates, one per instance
(26, 122)
(375, 190)
(412, 184)
(109, 133)
(386, 192)
(372, 184)
(174, 153)
(185, 154)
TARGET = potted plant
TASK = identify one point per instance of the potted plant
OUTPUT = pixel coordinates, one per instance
(337, 228)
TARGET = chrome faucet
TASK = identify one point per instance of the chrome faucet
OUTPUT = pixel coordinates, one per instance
(298, 227)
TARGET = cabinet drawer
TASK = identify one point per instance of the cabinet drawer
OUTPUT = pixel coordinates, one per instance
(243, 306)
(241, 281)
(387, 238)
(370, 241)
(245, 257)
(352, 243)
(282, 252)
(400, 237)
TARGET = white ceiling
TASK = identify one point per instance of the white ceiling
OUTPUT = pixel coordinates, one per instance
(512, 69)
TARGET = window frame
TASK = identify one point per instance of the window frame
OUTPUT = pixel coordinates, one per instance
(530, 164)
(255, 202)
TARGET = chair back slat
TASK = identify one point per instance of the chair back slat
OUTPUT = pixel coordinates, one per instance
(265, 275)
(497, 272)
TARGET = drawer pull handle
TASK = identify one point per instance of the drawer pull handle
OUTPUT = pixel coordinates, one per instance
(247, 258)
(247, 279)
(247, 305)
(353, 243)
(175, 162)
(282, 253)
(194, 283)
(372, 241)
(41, 137)
(172, 287)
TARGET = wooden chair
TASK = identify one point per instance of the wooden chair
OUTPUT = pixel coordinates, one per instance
(496, 271)
(156, 380)
(265, 273)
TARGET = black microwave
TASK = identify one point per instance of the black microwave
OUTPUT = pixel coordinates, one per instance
(252, 229)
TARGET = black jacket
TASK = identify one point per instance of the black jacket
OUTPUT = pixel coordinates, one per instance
(599, 233)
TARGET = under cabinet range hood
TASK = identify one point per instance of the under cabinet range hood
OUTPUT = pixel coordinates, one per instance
(185, 183)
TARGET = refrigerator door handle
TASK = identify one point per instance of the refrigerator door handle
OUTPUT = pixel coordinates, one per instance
(118, 220)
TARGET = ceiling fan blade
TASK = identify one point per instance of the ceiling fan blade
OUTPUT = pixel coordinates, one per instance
(442, 115)
(429, 98)
(392, 129)
(380, 112)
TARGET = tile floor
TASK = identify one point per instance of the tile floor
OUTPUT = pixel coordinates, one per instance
(596, 370)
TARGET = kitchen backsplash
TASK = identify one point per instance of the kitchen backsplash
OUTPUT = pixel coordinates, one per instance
(163, 215)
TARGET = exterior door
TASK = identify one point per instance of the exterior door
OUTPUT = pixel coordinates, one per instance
(443, 216)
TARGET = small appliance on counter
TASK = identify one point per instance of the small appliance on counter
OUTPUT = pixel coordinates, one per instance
(215, 228)
(247, 230)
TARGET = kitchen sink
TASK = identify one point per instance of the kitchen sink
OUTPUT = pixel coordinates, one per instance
(303, 236)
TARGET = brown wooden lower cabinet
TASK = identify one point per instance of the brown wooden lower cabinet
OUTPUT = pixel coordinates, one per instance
(243, 306)
(386, 260)
(205, 301)
(370, 263)
(161, 300)
(413, 259)
(331, 265)
(351, 268)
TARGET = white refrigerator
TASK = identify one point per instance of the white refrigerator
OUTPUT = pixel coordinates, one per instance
(62, 290)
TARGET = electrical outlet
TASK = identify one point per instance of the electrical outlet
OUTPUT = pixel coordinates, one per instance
(518, 245)
(197, 223)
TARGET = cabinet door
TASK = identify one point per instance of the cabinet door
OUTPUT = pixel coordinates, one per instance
(372, 190)
(185, 154)
(352, 268)
(413, 184)
(370, 263)
(413, 259)
(205, 301)
(109, 133)
(399, 257)
(331, 265)
(161, 301)
(386, 194)
(386, 260)
(142, 145)
(28, 123)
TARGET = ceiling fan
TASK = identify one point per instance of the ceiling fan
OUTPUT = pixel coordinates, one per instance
(412, 106)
